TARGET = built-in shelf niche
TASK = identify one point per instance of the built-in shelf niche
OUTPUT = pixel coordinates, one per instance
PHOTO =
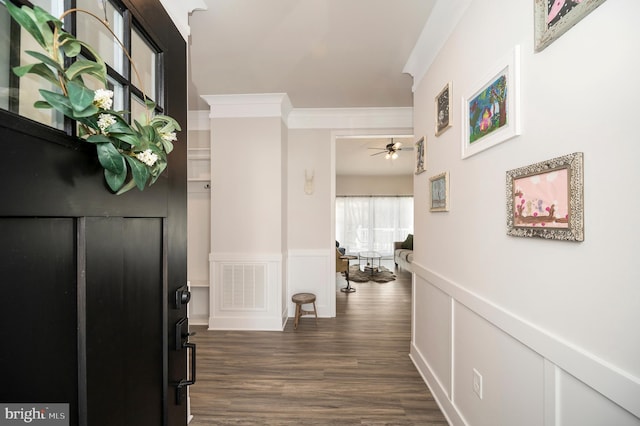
(199, 164)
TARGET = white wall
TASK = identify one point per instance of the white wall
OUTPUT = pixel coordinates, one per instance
(246, 189)
(312, 136)
(550, 325)
(374, 185)
(309, 218)
(309, 214)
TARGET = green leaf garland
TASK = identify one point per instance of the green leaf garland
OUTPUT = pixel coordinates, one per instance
(137, 152)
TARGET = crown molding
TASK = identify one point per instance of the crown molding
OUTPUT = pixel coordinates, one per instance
(249, 105)
(278, 105)
(351, 118)
(442, 21)
(179, 13)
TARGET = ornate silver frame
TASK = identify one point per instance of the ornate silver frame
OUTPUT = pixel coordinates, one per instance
(575, 231)
(545, 35)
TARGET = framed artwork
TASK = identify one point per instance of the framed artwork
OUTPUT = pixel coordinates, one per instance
(443, 109)
(439, 192)
(421, 147)
(491, 113)
(546, 199)
(555, 17)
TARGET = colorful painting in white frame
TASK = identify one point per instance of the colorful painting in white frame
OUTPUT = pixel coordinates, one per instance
(491, 113)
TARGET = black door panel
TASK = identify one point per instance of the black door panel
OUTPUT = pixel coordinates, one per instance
(88, 278)
(38, 350)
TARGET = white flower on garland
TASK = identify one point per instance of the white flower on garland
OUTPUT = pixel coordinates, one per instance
(103, 98)
(147, 157)
(104, 121)
(169, 137)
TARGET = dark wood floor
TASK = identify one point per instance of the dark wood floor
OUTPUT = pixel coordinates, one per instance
(350, 370)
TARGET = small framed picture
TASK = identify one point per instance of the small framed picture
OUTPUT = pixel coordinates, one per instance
(439, 192)
(421, 148)
(491, 113)
(555, 17)
(443, 109)
(546, 199)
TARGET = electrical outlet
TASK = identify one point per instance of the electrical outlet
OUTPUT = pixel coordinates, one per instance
(477, 383)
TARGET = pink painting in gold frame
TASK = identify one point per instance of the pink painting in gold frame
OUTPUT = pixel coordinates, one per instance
(542, 199)
(546, 199)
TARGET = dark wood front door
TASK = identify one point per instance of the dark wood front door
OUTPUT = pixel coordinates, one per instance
(88, 278)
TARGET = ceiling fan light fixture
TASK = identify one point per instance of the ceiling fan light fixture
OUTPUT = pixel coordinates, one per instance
(390, 150)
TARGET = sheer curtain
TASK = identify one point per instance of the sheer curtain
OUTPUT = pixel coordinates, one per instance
(373, 223)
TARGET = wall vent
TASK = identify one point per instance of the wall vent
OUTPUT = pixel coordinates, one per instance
(244, 286)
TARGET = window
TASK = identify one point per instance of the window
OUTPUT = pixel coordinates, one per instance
(373, 223)
(98, 36)
(18, 95)
(5, 47)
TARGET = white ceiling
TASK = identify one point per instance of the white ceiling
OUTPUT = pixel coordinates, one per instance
(354, 156)
(321, 53)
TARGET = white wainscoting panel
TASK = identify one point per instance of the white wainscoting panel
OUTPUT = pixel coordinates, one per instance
(509, 370)
(199, 305)
(245, 292)
(581, 405)
(310, 271)
(433, 313)
(530, 376)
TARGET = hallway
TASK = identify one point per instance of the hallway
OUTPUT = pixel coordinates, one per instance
(350, 370)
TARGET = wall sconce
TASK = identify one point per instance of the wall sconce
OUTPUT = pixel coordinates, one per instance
(308, 182)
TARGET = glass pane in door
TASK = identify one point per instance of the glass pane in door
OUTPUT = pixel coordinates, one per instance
(5, 45)
(91, 31)
(30, 85)
(144, 59)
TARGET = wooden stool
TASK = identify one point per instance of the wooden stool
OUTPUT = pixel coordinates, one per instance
(300, 299)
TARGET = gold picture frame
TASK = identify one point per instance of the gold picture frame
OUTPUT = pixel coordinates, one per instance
(443, 110)
(439, 192)
(421, 149)
(546, 199)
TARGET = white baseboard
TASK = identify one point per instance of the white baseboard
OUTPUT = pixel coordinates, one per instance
(437, 389)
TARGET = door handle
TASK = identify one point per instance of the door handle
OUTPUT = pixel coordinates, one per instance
(192, 377)
(182, 296)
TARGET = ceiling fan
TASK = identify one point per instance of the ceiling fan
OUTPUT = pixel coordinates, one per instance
(391, 150)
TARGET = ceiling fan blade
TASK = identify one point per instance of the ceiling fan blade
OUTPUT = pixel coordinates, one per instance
(381, 149)
(378, 153)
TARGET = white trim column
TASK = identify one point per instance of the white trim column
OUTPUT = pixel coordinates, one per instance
(248, 144)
